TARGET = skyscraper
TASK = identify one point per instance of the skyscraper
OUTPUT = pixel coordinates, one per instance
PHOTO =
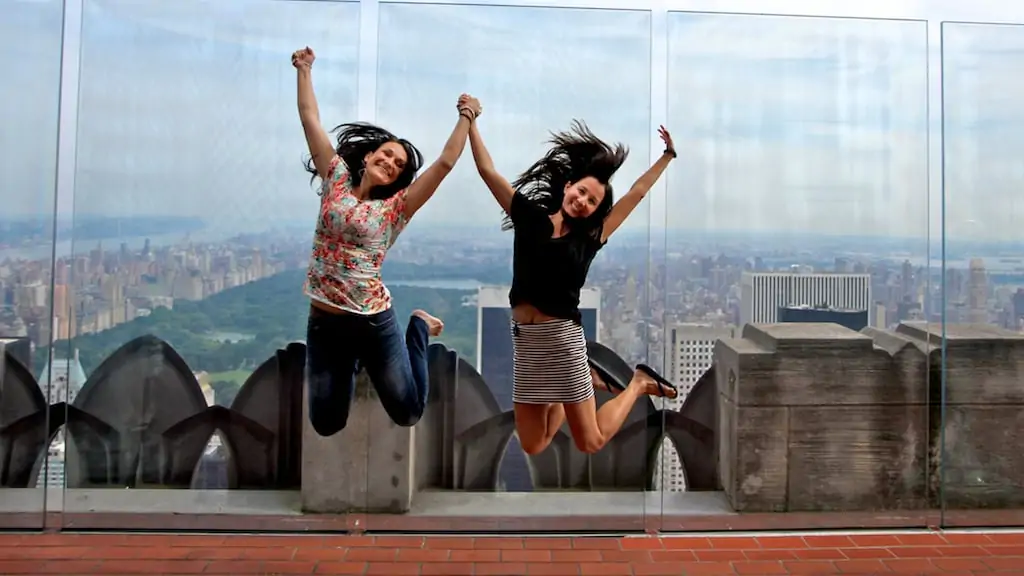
(494, 362)
(689, 352)
(763, 293)
(977, 292)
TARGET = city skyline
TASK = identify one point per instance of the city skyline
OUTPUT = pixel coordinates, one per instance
(814, 125)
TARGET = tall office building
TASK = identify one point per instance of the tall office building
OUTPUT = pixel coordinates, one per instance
(689, 352)
(65, 378)
(977, 292)
(494, 362)
(1018, 310)
(764, 293)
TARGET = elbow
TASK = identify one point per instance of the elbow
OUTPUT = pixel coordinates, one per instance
(309, 116)
(446, 163)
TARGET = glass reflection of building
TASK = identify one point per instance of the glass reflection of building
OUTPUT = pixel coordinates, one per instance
(494, 362)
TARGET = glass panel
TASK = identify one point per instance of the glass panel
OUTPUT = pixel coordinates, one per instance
(534, 70)
(983, 425)
(30, 40)
(193, 214)
(796, 266)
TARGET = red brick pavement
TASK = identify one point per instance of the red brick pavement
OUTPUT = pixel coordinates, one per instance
(860, 553)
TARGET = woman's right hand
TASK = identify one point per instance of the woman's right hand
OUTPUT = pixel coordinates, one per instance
(467, 102)
(303, 57)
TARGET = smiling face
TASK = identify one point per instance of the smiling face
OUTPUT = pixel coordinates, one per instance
(583, 197)
(385, 164)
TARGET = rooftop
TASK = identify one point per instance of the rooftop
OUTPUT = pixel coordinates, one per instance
(821, 553)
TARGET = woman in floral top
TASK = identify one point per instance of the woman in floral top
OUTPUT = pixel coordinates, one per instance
(369, 193)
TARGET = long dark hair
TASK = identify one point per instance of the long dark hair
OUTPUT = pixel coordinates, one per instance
(355, 141)
(574, 155)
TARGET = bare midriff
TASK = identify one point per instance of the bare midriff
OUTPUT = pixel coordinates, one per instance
(528, 314)
(327, 308)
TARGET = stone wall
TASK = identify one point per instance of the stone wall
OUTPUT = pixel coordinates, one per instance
(816, 417)
(983, 431)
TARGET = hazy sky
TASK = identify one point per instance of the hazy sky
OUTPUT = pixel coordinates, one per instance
(802, 124)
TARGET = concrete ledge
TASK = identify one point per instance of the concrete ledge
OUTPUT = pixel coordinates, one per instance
(276, 511)
(367, 467)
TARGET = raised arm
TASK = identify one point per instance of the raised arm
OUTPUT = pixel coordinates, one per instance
(424, 187)
(319, 142)
(625, 206)
(498, 185)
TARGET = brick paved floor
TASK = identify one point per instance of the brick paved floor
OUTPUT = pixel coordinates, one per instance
(861, 553)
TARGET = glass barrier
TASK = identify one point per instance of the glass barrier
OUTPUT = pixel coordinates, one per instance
(534, 71)
(982, 332)
(30, 40)
(193, 217)
(843, 358)
(796, 297)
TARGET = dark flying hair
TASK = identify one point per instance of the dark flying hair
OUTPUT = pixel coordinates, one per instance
(355, 141)
(574, 155)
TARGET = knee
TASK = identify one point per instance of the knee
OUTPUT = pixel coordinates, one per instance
(590, 443)
(406, 417)
(533, 448)
(327, 420)
(407, 420)
(326, 424)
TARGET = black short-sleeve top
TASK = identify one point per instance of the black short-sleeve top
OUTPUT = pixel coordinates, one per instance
(547, 272)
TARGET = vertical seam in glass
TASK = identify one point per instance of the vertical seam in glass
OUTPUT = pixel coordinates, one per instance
(942, 227)
(67, 102)
(53, 249)
(658, 83)
(928, 240)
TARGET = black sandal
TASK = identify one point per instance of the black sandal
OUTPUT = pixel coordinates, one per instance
(662, 383)
(610, 384)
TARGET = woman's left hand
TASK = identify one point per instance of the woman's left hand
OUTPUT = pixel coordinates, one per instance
(467, 102)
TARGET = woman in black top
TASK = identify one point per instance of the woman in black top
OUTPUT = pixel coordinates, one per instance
(562, 212)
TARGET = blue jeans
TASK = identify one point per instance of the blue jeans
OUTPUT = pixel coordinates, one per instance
(338, 344)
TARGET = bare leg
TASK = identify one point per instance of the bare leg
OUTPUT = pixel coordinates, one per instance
(600, 384)
(537, 424)
(592, 428)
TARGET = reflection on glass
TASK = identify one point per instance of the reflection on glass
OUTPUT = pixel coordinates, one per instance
(801, 198)
(984, 273)
(534, 70)
(192, 212)
(30, 72)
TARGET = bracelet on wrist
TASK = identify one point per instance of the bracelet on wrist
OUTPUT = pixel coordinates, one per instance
(670, 151)
(469, 114)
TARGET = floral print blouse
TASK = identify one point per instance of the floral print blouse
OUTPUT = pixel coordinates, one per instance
(351, 239)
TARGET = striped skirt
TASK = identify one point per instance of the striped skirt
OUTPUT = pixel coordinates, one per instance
(551, 365)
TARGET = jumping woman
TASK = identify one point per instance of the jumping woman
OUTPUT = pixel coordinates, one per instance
(562, 213)
(369, 192)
